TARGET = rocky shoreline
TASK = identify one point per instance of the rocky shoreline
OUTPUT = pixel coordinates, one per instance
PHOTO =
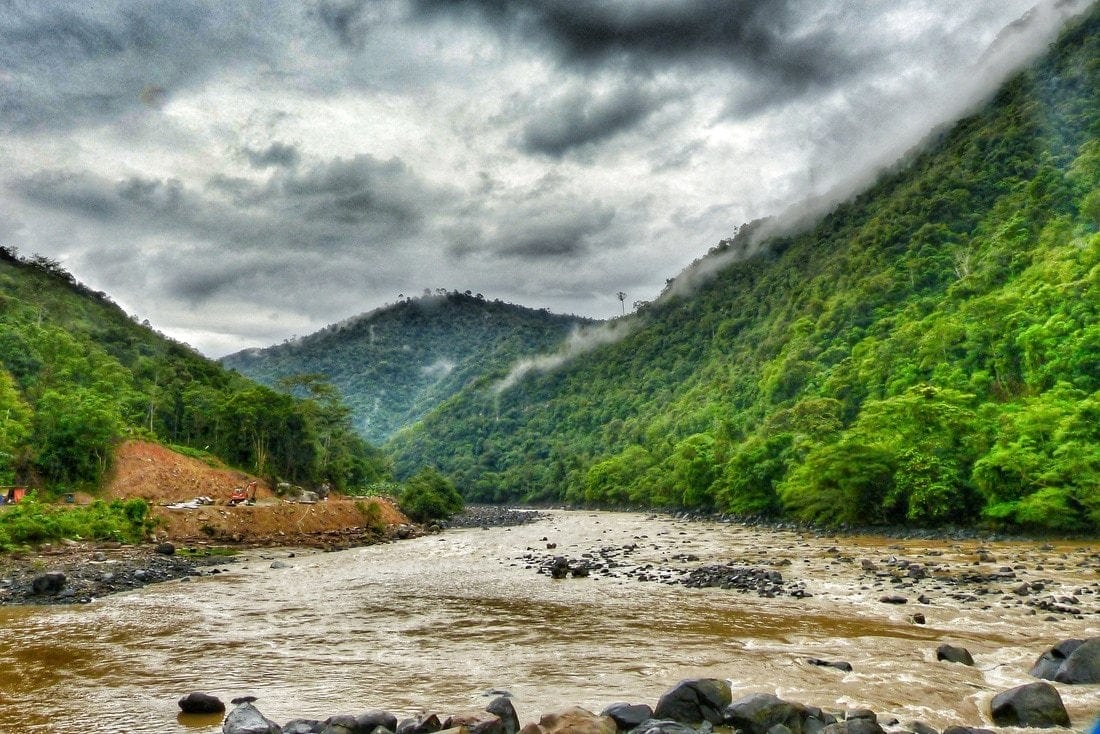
(493, 516)
(693, 706)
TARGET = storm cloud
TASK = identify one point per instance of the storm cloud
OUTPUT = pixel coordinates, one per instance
(243, 172)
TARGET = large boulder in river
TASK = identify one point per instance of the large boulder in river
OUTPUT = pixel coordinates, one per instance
(694, 701)
(428, 723)
(198, 702)
(952, 654)
(476, 722)
(1050, 662)
(1083, 664)
(573, 720)
(502, 708)
(304, 726)
(759, 712)
(247, 719)
(1033, 705)
(628, 715)
(657, 726)
(363, 723)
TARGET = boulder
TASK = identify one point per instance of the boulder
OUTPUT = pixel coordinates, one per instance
(303, 726)
(854, 726)
(166, 549)
(656, 726)
(198, 702)
(1034, 705)
(1083, 664)
(966, 730)
(1050, 662)
(368, 721)
(424, 724)
(952, 654)
(759, 712)
(628, 715)
(573, 720)
(919, 727)
(476, 722)
(695, 700)
(502, 708)
(838, 664)
(247, 719)
(48, 583)
(893, 599)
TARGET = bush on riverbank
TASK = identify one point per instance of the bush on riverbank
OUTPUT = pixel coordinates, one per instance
(428, 495)
(31, 522)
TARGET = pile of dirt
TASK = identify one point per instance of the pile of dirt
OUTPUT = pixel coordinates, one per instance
(163, 477)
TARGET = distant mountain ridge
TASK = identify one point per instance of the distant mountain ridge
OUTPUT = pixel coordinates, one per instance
(928, 353)
(393, 365)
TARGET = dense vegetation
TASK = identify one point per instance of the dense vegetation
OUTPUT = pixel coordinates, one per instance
(928, 353)
(428, 495)
(393, 365)
(31, 522)
(77, 374)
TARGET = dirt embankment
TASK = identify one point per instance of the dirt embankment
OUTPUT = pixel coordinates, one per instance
(163, 477)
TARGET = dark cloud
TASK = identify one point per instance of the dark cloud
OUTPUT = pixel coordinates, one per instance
(81, 194)
(768, 41)
(347, 20)
(276, 154)
(582, 118)
(544, 226)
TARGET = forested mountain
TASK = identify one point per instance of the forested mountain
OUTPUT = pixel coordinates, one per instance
(77, 374)
(393, 365)
(927, 353)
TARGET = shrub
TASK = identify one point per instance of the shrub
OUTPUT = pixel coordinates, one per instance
(428, 495)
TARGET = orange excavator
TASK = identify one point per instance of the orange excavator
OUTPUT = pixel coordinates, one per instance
(240, 494)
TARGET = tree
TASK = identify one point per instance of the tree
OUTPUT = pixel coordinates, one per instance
(428, 495)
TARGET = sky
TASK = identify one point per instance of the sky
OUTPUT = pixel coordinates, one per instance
(241, 173)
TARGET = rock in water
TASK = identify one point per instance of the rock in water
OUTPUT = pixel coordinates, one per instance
(166, 549)
(247, 719)
(304, 726)
(573, 720)
(1083, 664)
(502, 708)
(198, 702)
(423, 724)
(694, 701)
(1033, 705)
(628, 716)
(759, 712)
(476, 722)
(1050, 662)
(952, 654)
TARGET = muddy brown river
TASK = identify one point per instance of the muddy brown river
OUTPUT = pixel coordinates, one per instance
(439, 622)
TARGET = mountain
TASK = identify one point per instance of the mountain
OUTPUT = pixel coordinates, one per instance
(927, 353)
(77, 375)
(395, 364)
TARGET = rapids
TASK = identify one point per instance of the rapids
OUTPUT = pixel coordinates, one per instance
(438, 622)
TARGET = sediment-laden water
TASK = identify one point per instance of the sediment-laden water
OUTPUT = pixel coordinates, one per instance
(438, 622)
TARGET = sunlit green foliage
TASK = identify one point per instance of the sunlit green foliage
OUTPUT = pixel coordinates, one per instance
(428, 495)
(32, 522)
(928, 353)
(77, 376)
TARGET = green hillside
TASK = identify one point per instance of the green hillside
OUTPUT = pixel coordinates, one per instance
(928, 353)
(77, 375)
(394, 365)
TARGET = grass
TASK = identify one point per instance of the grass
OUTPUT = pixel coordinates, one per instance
(32, 522)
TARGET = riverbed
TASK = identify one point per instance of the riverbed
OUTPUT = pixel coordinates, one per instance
(440, 622)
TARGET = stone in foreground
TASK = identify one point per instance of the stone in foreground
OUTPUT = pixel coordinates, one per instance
(1035, 705)
(573, 720)
(694, 701)
(247, 719)
(198, 702)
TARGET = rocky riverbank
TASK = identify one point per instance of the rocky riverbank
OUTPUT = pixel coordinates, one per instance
(78, 573)
(493, 516)
(694, 706)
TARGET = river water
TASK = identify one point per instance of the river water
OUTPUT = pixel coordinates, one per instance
(438, 622)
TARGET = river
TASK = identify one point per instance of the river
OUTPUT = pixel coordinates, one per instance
(438, 622)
